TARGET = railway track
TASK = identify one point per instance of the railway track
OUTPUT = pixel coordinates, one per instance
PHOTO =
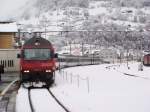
(59, 103)
(30, 101)
(51, 94)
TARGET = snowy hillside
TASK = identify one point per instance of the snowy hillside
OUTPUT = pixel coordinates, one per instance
(102, 12)
(104, 16)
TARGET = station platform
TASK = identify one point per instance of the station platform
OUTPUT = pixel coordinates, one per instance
(8, 97)
(7, 78)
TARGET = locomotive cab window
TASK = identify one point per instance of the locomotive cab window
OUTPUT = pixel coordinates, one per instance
(37, 54)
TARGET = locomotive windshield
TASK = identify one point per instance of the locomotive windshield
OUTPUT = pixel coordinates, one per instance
(37, 54)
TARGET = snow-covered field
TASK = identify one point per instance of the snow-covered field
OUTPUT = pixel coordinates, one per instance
(134, 70)
(109, 90)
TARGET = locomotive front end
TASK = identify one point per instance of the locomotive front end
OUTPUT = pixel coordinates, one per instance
(37, 62)
(37, 65)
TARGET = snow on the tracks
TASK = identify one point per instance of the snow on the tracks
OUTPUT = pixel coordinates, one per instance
(22, 101)
(41, 99)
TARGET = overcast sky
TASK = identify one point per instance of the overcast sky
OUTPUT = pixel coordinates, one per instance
(8, 7)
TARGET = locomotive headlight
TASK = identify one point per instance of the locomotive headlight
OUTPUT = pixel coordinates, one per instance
(26, 71)
(53, 68)
(48, 70)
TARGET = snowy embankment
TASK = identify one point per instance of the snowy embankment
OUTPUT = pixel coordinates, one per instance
(110, 90)
(134, 70)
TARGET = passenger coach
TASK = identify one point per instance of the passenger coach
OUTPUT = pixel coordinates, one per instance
(146, 60)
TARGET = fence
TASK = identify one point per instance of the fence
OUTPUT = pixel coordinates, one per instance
(69, 77)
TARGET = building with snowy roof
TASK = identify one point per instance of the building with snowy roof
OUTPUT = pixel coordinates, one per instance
(7, 34)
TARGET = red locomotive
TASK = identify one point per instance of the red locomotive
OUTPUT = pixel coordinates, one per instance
(146, 60)
(37, 61)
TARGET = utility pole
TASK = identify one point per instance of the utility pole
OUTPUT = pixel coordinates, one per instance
(45, 30)
(70, 47)
(45, 23)
(56, 3)
(127, 58)
(82, 49)
(127, 45)
(141, 31)
(19, 40)
(120, 57)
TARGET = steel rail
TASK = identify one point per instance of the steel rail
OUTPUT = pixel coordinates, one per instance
(30, 101)
(58, 101)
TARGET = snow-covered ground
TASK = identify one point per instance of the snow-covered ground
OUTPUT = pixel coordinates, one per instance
(109, 90)
(134, 69)
(41, 100)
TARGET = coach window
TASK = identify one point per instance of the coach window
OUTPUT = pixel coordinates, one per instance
(5, 63)
(8, 63)
(12, 63)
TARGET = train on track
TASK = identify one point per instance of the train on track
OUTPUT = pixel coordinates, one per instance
(38, 61)
(65, 61)
(146, 59)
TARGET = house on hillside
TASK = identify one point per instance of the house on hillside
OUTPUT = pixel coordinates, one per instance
(146, 3)
(109, 55)
(7, 34)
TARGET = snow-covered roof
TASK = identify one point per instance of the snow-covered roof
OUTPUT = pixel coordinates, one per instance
(8, 27)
